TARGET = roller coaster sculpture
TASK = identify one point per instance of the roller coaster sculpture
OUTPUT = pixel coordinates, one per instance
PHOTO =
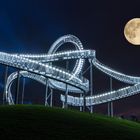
(40, 68)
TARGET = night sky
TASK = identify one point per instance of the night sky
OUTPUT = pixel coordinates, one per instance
(31, 26)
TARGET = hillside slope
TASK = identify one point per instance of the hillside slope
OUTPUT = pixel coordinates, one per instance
(38, 122)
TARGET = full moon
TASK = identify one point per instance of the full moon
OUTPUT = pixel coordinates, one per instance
(132, 31)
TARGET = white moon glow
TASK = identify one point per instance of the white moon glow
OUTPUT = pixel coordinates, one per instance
(132, 31)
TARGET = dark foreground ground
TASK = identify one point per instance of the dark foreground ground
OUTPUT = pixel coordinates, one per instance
(38, 122)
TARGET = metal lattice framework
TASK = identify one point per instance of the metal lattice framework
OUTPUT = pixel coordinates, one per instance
(40, 68)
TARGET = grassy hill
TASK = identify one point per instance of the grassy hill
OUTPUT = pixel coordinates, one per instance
(38, 122)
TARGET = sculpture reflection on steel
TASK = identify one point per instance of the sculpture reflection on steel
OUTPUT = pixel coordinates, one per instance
(40, 68)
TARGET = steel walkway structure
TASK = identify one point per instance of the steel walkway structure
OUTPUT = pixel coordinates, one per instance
(41, 68)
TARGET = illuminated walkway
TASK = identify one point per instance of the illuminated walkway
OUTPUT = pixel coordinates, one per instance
(41, 69)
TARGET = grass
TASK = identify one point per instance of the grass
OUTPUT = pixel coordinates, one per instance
(39, 122)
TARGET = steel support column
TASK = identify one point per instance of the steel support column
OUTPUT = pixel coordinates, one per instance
(112, 110)
(51, 100)
(80, 106)
(66, 97)
(91, 83)
(17, 87)
(66, 92)
(5, 80)
(84, 102)
(63, 104)
(108, 108)
(23, 90)
(110, 104)
(46, 93)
